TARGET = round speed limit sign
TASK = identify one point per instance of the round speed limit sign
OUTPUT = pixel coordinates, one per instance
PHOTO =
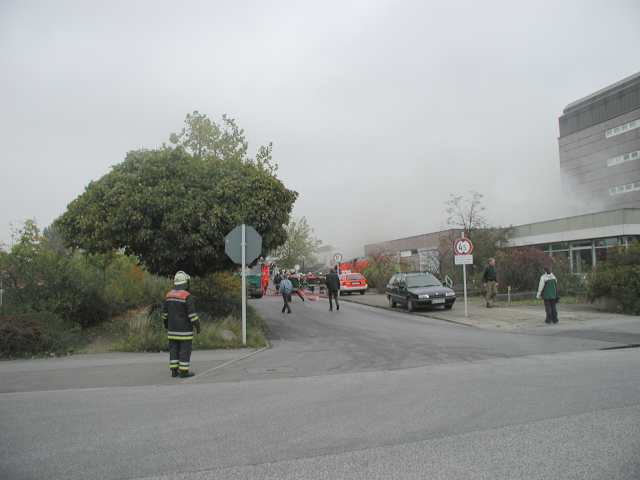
(463, 246)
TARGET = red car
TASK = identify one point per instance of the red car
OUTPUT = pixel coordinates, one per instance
(353, 282)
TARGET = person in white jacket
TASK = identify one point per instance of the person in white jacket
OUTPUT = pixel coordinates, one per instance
(548, 291)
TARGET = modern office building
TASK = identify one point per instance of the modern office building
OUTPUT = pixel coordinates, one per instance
(600, 147)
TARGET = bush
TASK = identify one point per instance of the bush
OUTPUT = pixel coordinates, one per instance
(83, 289)
(380, 269)
(618, 279)
(521, 268)
(36, 334)
(218, 295)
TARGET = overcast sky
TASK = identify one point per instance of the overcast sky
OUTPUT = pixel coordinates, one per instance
(377, 110)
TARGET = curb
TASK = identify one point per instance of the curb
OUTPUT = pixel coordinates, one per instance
(226, 364)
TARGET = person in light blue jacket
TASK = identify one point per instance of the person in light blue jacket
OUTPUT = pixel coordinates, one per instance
(286, 287)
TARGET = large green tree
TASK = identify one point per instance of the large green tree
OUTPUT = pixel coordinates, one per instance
(172, 209)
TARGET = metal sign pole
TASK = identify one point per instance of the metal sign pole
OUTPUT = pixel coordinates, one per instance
(464, 280)
(244, 285)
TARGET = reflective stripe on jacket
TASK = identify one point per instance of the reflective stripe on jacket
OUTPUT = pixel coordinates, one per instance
(179, 313)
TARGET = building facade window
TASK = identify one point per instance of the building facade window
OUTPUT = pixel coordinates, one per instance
(624, 128)
(583, 255)
(627, 157)
(626, 188)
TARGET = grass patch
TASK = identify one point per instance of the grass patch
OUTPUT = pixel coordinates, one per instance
(145, 333)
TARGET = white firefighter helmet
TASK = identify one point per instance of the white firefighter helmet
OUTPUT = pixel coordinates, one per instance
(181, 278)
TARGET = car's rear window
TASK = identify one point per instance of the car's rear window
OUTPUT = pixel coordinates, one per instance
(355, 276)
(422, 280)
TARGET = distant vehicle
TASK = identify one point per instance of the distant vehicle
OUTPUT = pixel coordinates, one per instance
(415, 290)
(353, 282)
(254, 283)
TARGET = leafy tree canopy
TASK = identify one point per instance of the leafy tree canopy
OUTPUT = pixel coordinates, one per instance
(172, 209)
(300, 247)
(204, 138)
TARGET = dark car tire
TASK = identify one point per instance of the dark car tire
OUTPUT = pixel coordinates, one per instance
(410, 306)
(361, 292)
(448, 307)
(392, 302)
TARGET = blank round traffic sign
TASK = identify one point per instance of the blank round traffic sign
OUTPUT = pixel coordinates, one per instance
(462, 246)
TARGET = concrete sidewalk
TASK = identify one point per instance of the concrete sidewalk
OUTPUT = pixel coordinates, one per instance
(505, 317)
(107, 370)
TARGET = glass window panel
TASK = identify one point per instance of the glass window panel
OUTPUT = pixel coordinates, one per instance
(607, 242)
(561, 254)
(582, 261)
(583, 243)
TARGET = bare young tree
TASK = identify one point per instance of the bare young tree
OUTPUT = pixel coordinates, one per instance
(466, 212)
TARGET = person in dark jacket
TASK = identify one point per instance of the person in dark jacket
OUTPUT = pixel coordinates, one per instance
(490, 282)
(276, 280)
(548, 291)
(298, 285)
(333, 288)
(180, 319)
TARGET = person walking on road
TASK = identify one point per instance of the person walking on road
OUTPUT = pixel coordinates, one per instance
(276, 281)
(285, 289)
(548, 291)
(296, 281)
(490, 282)
(180, 319)
(333, 288)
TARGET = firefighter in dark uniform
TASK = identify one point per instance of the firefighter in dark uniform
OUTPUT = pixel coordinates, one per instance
(180, 320)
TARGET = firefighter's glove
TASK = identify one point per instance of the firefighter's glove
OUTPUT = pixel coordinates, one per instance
(197, 325)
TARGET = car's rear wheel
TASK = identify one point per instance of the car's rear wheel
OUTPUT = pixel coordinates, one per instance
(361, 292)
(410, 306)
(392, 303)
(448, 307)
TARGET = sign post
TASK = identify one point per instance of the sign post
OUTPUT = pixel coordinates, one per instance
(337, 258)
(243, 245)
(462, 250)
(244, 284)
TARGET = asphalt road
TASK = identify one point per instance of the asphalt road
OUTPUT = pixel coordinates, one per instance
(362, 394)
